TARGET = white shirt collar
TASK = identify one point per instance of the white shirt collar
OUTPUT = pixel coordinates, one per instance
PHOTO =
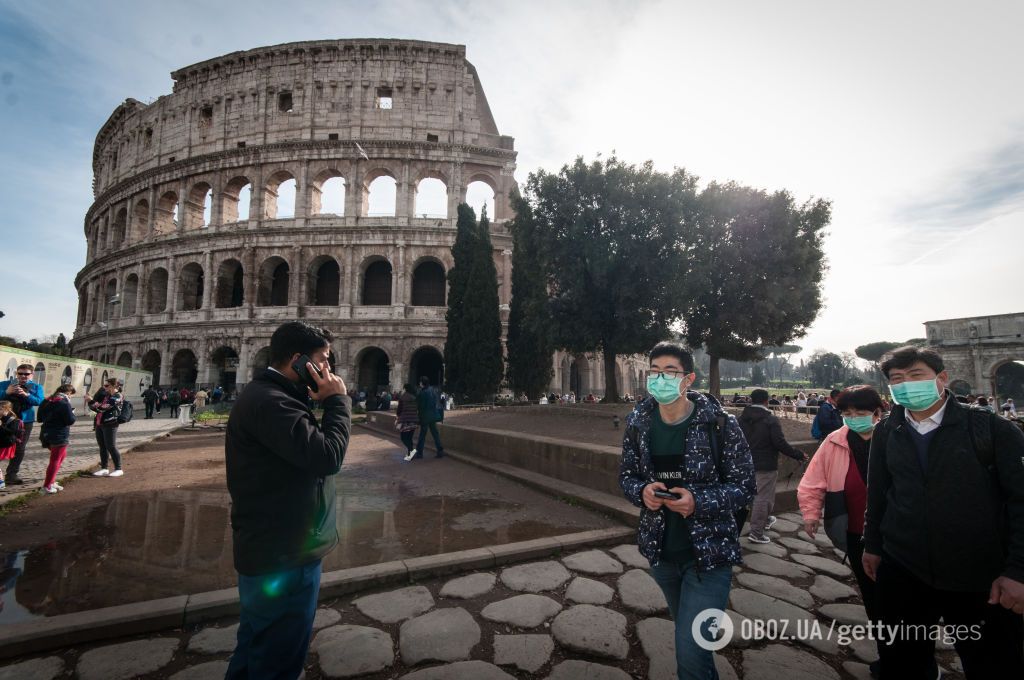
(931, 422)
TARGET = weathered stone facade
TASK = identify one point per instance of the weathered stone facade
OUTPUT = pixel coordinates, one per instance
(974, 349)
(196, 297)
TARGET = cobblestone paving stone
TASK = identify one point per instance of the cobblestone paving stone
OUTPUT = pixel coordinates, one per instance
(451, 639)
(83, 454)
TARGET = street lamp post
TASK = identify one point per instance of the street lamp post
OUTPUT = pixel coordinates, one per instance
(114, 300)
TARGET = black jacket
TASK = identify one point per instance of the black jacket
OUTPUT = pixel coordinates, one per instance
(947, 524)
(280, 468)
(56, 417)
(764, 435)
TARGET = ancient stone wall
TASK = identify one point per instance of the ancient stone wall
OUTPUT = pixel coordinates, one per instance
(186, 277)
(974, 349)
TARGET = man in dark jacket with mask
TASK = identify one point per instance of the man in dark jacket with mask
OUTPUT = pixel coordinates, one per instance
(944, 527)
(280, 472)
(763, 432)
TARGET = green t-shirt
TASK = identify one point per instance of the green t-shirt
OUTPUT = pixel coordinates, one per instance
(668, 451)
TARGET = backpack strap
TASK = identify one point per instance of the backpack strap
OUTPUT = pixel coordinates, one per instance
(979, 426)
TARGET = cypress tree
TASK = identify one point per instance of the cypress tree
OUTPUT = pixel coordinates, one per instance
(530, 343)
(479, 344)
(463, 254)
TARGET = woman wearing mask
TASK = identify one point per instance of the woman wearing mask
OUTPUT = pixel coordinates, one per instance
(836, 483)
(57, 416)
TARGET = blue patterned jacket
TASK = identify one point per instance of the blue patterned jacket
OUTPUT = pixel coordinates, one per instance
(718, 493)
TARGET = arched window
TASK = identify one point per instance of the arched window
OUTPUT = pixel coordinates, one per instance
(166, 219)
(480, 195)
(428, 285)
(125, 359)
(151, 363)
(83, 305)
(431, 198)
(109, 308)
(190, 287)
(377, 283)
(230, 290)
(120, 226)
(184, 368)
(236, 197)
(324, 282)
(199, 206)
(328, 194)
(381, 197)
(280, 196)
(140, 220)
(157, 291)
(273, 288)
(129, 295)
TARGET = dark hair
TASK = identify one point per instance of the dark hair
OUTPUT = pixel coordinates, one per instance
(907, 356)
(28, 366)
(296, 337)
(67, 388)
(672, 349)
(982, 401)
(834, 393)
(759, 396)
(859, 398)
(424, 381)
(113, 381)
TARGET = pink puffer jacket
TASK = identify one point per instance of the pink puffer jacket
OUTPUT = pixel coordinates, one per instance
(826, 472)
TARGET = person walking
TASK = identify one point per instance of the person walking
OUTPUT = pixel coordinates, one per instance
(430, 412)
(106, 403)
(12, 433)
(406, 419)
(835, 485)
(281, 466)
(174, 402)
(24, 395)
(687, 466)
(150, 398)
(944, 525)
(56, 416)
(763, 433)
(827, 420)
(200, 399)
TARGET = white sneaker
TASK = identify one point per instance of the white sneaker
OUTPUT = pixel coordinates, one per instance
(59, 487)
(772, 519)
(101, 473)
(410, 456)
(117, 473)
(50, 489)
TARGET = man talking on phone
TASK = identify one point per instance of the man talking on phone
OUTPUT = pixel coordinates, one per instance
(280, 472)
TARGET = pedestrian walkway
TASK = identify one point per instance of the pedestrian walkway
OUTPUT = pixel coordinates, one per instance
(593, 614)
(83, 453)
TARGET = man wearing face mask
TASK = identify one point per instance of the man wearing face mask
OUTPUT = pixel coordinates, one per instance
(944, 527)
(688, 474)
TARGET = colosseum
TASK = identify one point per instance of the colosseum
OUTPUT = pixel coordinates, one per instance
(312, 180)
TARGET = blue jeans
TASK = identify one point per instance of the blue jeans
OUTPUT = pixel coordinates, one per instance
(423, 439)
(276, 624)
(689, 592)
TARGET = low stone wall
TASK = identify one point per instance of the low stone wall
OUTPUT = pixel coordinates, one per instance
(590, 465)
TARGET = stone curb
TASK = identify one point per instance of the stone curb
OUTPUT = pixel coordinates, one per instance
(59, 632)
(11, 497)
(615, 506)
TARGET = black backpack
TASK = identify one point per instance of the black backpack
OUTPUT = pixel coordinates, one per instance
(125, 412)
(716, 437)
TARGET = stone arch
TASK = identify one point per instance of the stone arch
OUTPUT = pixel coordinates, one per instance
(429, 283)
(140, 220)
(377, 277)
(224, 362)
(156, 287)
(431, 196)
(236, 200)
(125, 359)
(272, 191)
(482, 191)
(260, 361)
(129, 295)
(386, 189)
(191, 282)
(83, 305)
(1008, 380)
(166, 218)
(184, 368)
(109, 292)
(324, 282)
(327, 193)
(199, 205)
(426, 361)
(274, 277)
(230, 291)
(960, 387)
(151, 363)
(373, 369)
(120, 227)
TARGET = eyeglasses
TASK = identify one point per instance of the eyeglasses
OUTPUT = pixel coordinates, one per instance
(670, 374)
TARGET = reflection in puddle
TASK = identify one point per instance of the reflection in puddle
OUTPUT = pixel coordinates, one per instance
(151, 545)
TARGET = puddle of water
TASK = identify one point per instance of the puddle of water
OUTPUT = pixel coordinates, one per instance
(176, 541)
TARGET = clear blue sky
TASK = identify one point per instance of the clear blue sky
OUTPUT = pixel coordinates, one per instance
(909, 116)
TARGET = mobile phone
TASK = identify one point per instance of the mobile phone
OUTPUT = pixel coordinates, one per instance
(667, 495)
(300, 368)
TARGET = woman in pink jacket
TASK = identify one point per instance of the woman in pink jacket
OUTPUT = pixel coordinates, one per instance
(835, 485)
